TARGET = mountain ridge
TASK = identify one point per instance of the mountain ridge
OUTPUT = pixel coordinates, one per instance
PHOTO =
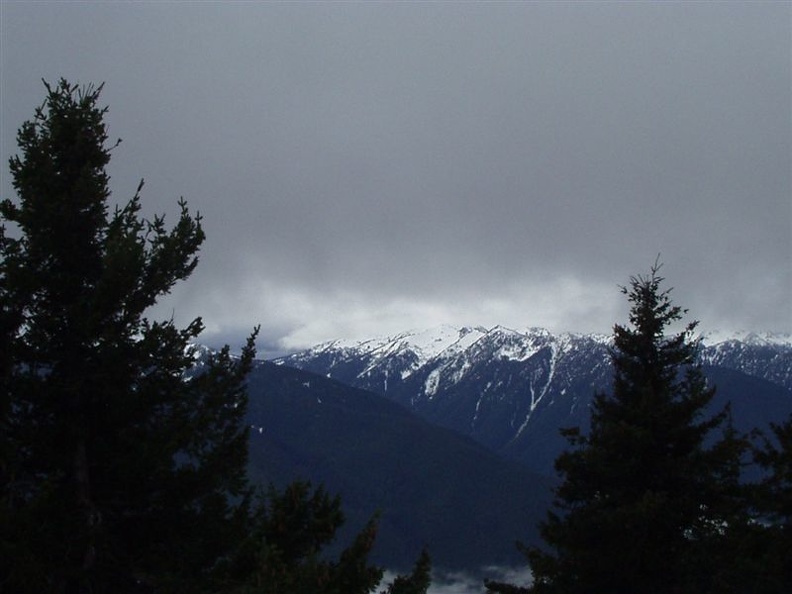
(513, 390)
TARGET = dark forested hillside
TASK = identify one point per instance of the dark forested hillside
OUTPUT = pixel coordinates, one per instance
(433, 487)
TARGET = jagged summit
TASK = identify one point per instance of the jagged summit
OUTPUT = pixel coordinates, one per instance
(512, 389)
(428, 343)
(748, 337)
(444, 348)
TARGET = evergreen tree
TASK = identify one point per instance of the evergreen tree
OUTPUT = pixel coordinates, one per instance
(644, 504)
(285, 551)
(117, 474)
(759, 549)
(776, 488)
(418, 581)
(772, 534)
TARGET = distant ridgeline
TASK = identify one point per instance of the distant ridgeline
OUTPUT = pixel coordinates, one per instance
(452, 433)
(511, 391)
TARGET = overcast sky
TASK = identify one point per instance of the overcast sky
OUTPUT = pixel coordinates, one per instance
(369, 168)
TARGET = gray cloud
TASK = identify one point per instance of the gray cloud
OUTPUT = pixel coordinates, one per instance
(362, 168)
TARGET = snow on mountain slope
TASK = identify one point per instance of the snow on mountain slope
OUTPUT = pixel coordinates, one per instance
(511, 390)
(767, 355)
(406, 351)
(781, 339)
(490, 384)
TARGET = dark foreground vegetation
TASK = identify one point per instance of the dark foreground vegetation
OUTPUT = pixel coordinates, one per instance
(652, 499)
(116, 474)
(123, 471)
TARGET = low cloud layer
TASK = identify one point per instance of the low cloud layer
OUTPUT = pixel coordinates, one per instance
(364, 169)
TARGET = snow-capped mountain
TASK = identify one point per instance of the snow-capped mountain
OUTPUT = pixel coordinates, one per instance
(512, 390)
(767, 355)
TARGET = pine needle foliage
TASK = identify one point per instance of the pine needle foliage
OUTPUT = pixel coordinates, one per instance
(772, 543)
(645, 502)
(418, 581)
(124, 447)
(117, 475)
(285, 551)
